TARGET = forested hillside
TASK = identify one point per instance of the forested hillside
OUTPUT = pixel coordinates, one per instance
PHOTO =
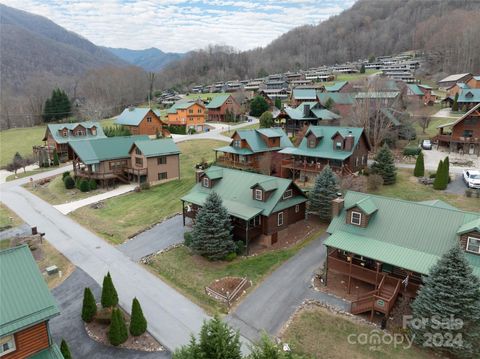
(448, 28)
(151, 59)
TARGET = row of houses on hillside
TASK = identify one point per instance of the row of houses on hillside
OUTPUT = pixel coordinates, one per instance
(463, 88)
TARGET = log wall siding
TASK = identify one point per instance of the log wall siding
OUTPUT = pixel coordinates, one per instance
(360, 151)
(148, 128)
(464, 238)
(30, 341)
(171, 168)
(364, 219)
(271, 226)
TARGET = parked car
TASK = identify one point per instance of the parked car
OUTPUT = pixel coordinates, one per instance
(472, 178)
(426, 144)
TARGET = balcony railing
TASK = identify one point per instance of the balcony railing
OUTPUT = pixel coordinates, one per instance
(226, 161)
(458, 139)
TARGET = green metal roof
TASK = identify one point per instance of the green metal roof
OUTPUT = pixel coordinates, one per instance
(304, 94)
(415, 89)
(337, 98)
(24, 295)
(256, 142)
(438, 203)
(336, 86)
(470, 226)
(377, 94)
(267, 185)
(214, 174)
(325, 148)
(218, 100)
(159, 147)
(132, 116)
(394, 116)
(468, 96)
(110, 148)
(315, 112)
(182, 104)
(51, 353)
(366, 205)
(54, 129)
(235, 189)
(426, 231)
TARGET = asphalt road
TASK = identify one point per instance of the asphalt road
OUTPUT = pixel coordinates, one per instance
(69, 325)
(457, 185)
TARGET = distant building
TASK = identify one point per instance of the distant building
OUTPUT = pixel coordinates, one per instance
(223, 108)
(190, 114)
(453, 79)
(142, 121)
(342, 103)
(423, 93)
(467, 99)
(339, 86)
(306, 114)
(27, 306)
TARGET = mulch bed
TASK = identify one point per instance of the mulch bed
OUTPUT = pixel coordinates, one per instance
(98, 331)
(227, 285)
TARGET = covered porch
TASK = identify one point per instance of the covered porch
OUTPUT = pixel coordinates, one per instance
(306, 168)
(233, 160)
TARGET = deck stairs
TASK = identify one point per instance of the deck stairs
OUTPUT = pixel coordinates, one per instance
(381, 299)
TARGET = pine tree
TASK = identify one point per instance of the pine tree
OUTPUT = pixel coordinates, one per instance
(218, 340)
(212, 232)
(109, 293)
(440, 183)
(258, 106)
(89, 307)
(419, 170)
(362, 69)
(65, 350)
(446, 164)
(278, 103)
(117, 333)
(56, 161)
(138, 323)
(450, 291)
(324, 191)
(455, 103)
(384, 165)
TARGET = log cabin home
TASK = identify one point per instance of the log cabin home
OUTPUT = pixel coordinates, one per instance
(190, 114)
(467, 99)
(27, 307)
(341, 103)
(304, 115)
(451, 80)
(58, 135)
(344, 149)
(261, 207)
(126, 159)
(454, 89)
(378, 98)
(300, 95)
(255, 150)
(339, 86)
(388, 244)
(223, 108)
(462, 135)
(422, 93)
(474, 82)
(142, 121)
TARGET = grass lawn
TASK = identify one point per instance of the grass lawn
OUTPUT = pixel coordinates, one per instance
(432, 129)
(408, 188)
(123, 216)
(357, 76)
(190, 274)
(8, 217)
(249, 127)
(318, 333)
(19, 140)
(55, 192)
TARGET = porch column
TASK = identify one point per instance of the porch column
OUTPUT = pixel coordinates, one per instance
(350, 272)
(377, 273)
(183, 212)
(246, 239)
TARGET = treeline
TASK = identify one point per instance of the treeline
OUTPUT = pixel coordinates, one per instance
(447, 28)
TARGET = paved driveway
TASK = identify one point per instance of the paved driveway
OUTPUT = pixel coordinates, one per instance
(69, 325)
(271, 304)
(155, 239)
(457, 185)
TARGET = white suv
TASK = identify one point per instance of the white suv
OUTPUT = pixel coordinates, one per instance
(472, 178)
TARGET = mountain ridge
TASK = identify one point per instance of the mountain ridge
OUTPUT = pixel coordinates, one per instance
(151, 59)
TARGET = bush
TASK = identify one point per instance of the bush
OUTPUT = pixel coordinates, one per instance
(374, 182)
(144, 186)
(109, 293)
(117, 333)
(230, 256)
(92, 184)
(84, 186)
(411, 151)
(89, 307)
(366, 172)
(65, 350)
(65, 174)
(69, 182)
(240, 248)
(433, 175)
(187, 238)
(138, 323)
(78, 180)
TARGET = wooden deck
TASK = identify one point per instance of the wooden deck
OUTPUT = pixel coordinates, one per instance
(227, 162)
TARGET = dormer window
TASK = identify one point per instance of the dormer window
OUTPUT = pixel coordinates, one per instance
(288, 194)
(473, 245)
(206, 182)
(312, 143)
(93, 131)
(259, 195)
(237, 143)
(137, 151)
(338, 145)
(356, 218)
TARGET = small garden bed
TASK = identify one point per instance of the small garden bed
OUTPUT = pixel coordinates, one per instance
(228, 289)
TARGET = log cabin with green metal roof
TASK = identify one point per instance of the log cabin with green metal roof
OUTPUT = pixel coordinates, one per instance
(344, 149)
(26, 308)
(261, 207)
(255, 150)
(389, 244)
(223, 108)
(142, 121)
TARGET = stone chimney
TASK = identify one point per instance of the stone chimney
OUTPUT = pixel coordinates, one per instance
(198, 175)
(337, 206)
(349, 141)
(306, 110)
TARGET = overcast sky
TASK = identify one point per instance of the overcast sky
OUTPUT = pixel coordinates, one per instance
(179, 25)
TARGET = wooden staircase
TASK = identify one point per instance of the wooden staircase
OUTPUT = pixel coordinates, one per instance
(381, 299)
(121, 177)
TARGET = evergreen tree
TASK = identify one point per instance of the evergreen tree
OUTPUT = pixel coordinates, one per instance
(265, 348)
(329, 104)
(117, 333)
(65, 350)
(258, 106)
(324, 191)
(89, 307)
(455, 103)
(212, 232)
(138, 323)
(450, 291)
(56, 161)
(266, 120)
(446, 164)
(440, 182)
(419, 170)
(190, 351)
(362, 69)
(278, 103)
(218, 340)
(57, 106)
(109, 293)
(384, 165)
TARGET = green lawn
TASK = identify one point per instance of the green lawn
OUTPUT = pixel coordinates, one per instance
(432, 129)
(21, 174)
(319, 333)
(249, 127)
(126, 215)
(409, 189)
(355, 77)
(190, 274)
(19, 140)
(8, 217)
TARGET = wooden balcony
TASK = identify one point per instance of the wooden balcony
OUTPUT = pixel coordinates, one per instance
(456, 139)
(228, 162)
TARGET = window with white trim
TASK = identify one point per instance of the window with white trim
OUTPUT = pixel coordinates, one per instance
(237, 143)
(7, 345)
(288, 194)
(356, 218)
(280, 219)
(259, 195)
(473, 245)
(338, 145)
(206, 182)
(297, 208)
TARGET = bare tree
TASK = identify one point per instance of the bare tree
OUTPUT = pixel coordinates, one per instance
(265, 163)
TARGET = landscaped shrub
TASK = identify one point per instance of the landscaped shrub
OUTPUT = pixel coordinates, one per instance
(84, 186)
(374, 182)
(441, 178)
(65, 350)
(69, 182)
(230, 256)
(117, 333)
(419, 170)
(89, 307)
(138, 323)
(65, 174)
(240, 248)
(411, 151)
(92, 184)
(78, 180)
(384, 165)
(109, 293)
(187, 238)
(468, 192)
(144, 186)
